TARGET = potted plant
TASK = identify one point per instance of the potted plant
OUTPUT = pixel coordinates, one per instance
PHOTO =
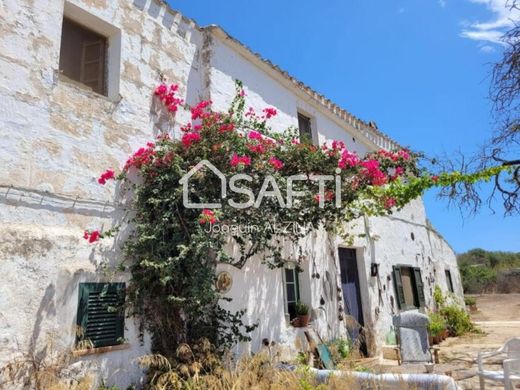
(436, 328)
(302, 311)
(471, 302)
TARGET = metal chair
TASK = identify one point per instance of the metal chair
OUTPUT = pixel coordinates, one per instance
(412, 339)
(511, 365)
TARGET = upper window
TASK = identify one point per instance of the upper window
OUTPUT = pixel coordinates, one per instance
(304, 126)
(408, 287)
(292, 290)
(100, 319)
(83, 56)
(449, 281)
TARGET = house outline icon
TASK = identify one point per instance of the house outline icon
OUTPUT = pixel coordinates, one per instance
(185, 190)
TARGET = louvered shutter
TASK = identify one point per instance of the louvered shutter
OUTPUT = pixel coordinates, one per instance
(100, 315)
(399, 291)
(419, 287)
(93, 65)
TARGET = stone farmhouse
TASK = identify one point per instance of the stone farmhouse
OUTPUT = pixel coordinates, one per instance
(76, 96)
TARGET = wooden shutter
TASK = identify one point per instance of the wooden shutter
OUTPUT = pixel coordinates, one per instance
(304, 125)
(399, 291)
(100, 315)
(419, 287)
(93, 65)
(449, 281)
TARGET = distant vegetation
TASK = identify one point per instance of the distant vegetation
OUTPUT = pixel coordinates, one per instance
(483, 271)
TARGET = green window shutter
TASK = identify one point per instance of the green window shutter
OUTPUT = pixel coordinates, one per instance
(100, 318)
(399, 291)
(419, 287)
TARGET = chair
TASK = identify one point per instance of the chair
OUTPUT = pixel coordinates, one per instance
(412, 339)
(511, 352)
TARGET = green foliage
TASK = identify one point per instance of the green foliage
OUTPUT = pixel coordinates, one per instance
(470, 301)
(457, 320)
(301, 308)
(479, 269)
(340, 349)
(438, 297)
(437, 324)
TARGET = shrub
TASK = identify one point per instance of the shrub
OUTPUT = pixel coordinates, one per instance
(470, 301)
(438, 297)
(457, 320)
(437, 324)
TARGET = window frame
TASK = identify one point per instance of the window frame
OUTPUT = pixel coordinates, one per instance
(114, 314)
(417, 287)
(296, 287)
(449, 280)
(112, 51)
(303, 138)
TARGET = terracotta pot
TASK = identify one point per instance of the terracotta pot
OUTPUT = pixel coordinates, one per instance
(437, 339)
(430, 339)
(304, 320)
(473, 308)
(445, 334)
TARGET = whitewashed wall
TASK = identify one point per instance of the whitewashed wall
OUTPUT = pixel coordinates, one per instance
(56, 138)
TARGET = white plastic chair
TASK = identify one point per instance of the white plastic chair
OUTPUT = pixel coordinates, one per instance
(511, 373)
(511, 352)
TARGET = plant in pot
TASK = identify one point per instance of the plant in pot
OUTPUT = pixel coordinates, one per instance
(436, 328)
(471, 302)
(302, 311)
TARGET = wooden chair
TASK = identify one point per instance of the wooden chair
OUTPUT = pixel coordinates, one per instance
(412, 338)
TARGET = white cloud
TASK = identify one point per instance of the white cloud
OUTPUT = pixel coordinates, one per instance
(491, 31)
(487, 49)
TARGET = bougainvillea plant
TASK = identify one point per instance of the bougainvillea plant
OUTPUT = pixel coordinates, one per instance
(171, 251)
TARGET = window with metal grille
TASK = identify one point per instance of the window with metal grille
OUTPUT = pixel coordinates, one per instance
(409, 288)
(304, 126)
(83, 56)
(449, 281)
(100, 317)
(292, 291)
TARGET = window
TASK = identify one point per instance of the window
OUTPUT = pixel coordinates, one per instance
(100, 317)
(304, 125)
(292, 290)
(408, 287)
(83, 56)
(449, 281)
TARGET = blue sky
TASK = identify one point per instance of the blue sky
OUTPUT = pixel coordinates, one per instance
(418, 68)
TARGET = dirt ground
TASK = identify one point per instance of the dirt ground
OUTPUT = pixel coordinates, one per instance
(498, 316)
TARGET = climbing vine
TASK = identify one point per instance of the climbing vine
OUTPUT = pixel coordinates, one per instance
(172, 251)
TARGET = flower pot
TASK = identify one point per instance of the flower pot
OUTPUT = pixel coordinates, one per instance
(437, 339)
(430, 339)
(473, 308)
(304, 320)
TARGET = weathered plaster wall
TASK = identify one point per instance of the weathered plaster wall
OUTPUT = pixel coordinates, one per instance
(57, 137)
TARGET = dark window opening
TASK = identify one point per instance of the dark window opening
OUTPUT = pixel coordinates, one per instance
(304, 126)
(292, 290)
(409, 287)
(449, 281)
(100, 316)
(83, 56)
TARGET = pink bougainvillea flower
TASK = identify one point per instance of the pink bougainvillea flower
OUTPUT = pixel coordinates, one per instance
(348, 159)
(255, 135)
(143, 156)
(389, 203)
(167, 96)
(275, 163)
(237, 160)
(404, 154)
(269, 112)
(259, 148)
(329, 195)
(198, 111)
(435, 178)
(242, 93)
(189, 138)
(207, 216)
(92, 236)
(226, 127)
(372, 171)
(107, 175)
(338, 145)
